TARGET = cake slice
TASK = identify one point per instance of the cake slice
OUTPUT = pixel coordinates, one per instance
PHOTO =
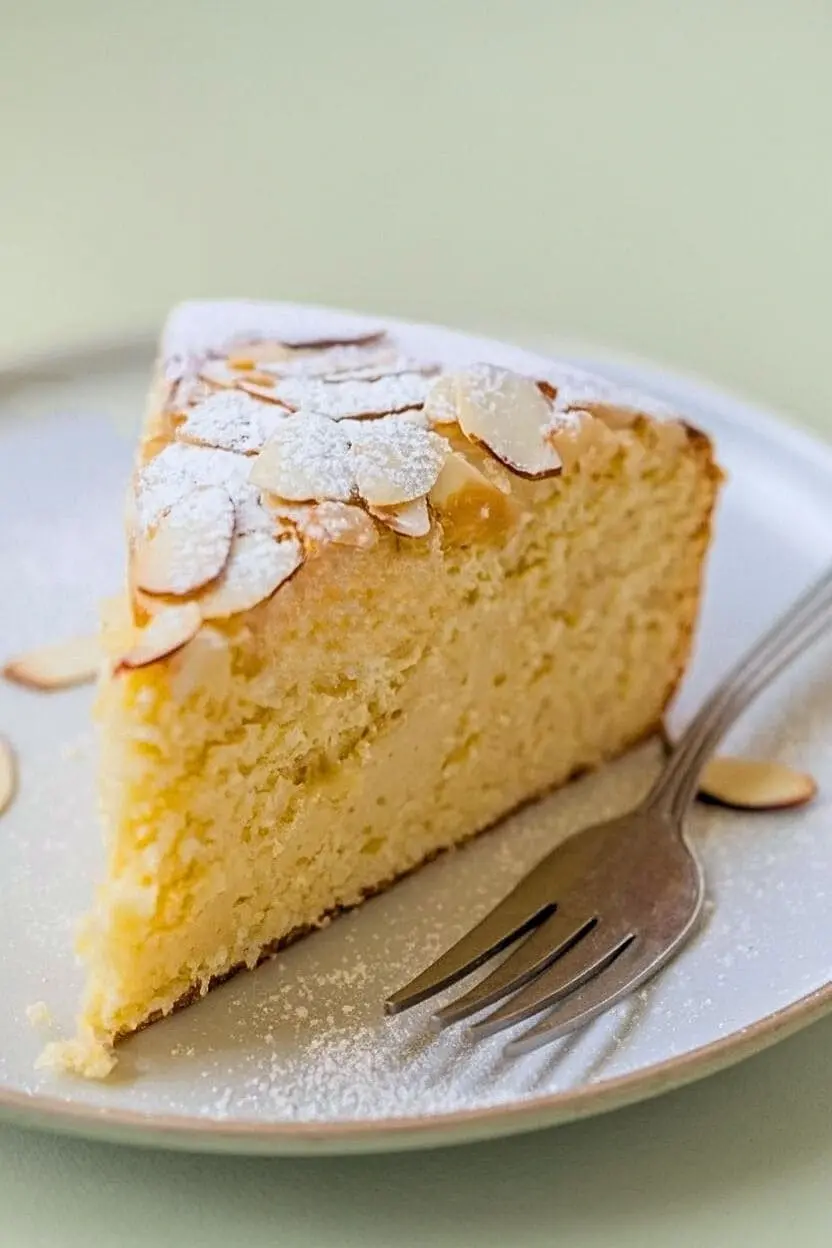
(386, 583)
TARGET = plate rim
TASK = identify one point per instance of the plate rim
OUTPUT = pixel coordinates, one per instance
(198, 1134)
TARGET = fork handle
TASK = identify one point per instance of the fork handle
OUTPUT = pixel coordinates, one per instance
(802, 625)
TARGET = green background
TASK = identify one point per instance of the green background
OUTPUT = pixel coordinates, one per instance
(653, 176)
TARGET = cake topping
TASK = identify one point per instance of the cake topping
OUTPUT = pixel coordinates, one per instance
(57, 666)
(380, 360)
(508, 414)
(168, 631)
(340, 400)
(331, 337)
(8, 774)
(442, 402)
(258, 563)
(408, 519)
(319, 424)
(467, 500)
(306, 458)
(179, 468)
(230, 421)
(341, 523)
(189, 545)
(396, 462)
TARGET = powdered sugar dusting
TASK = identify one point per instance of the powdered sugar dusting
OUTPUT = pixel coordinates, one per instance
(189, 546)
(179, 468)
(256, 567)
(396, 462)
(340, 400)
(306, 459)
(231, 421)
(195, 330)
(346, 363)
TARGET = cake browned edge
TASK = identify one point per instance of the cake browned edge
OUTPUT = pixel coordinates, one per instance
(703, 447)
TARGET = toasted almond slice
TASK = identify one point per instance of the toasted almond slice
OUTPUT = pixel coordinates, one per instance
(187, 392)
(396, 462)
(306, 459)
(442, 402)
(754, 784)
(467, 501)
(353, 400)
(58, 666)
(166, 633)
(265, 391)
(397, 366)
(230, 421)
(218, 373)
(408, 519)
(8, 774)
(344, 338)
(259, 353)
(342, 362)
(189, 546)
(508, 414)
(258, 564)
(341, 523)
(345, 525)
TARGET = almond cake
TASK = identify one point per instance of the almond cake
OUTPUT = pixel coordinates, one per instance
(386, 583)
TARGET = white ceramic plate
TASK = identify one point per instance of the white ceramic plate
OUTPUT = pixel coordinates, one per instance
(297, 1056)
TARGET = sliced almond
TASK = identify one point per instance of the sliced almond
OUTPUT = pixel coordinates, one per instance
(257, 387)
(508, 414)
(8, 774)
(409, 519)
(258, 354)
(341, 523)
(230, 421)
(442, 402)
(167, 632)
(187, 392)
(468, 503)
(306, 459)
(398, 366)
(754, 784)
(341, 338)
(354, 400)
(58, 666)
(343, 362)
(218, 373)
(258, 564)
(396, 462)
(189, 546)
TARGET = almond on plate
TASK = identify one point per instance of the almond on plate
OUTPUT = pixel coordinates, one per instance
(754, 784)
(57, 666)
(8, 774)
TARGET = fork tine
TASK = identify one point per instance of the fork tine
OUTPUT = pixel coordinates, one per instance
(546, 943)
(633, 967)
(512, 918)
(580, 963)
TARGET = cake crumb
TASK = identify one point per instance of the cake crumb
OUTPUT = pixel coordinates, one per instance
(84, 1055)
(38, 1014)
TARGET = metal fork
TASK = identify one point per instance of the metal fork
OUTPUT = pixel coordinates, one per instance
(606, 909)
